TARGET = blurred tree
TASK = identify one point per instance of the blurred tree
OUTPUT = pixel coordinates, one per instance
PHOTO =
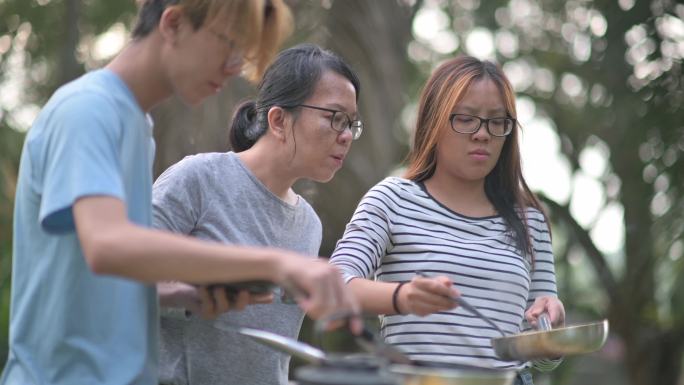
(606, 74)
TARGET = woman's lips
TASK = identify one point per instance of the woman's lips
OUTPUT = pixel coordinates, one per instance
(479, 155)
(339, 159)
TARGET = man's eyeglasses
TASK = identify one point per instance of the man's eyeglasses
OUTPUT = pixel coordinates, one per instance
(235, 54)
(340, 121)
(469, 124)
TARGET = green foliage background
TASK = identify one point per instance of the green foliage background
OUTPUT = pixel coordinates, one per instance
(631, 105)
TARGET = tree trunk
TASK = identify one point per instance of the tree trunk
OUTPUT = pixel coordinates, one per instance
(655, 359)
(372, 37)
(69, 67)
(181, 130)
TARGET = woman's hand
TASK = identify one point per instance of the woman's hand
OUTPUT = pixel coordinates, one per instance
(208, 303)
(546, 304)
(423, 295)
(215, 301)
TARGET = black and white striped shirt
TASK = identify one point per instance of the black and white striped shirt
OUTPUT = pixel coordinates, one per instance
(399, 228)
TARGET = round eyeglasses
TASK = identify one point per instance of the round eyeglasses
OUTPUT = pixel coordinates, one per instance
(340, 121)
(235, 55)
(470, 124)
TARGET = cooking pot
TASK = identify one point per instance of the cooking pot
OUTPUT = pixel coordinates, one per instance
(373, 369)
(435, 373)
(354, 369)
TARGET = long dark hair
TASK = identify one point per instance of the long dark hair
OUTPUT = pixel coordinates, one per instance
(505, 185)
(287, 83)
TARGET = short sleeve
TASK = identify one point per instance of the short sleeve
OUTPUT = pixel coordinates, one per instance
(176, 197)
(76, 155)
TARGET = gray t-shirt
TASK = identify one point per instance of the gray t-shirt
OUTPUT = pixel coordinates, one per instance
(214, 196)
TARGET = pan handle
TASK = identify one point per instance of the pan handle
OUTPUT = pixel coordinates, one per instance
(544, 322)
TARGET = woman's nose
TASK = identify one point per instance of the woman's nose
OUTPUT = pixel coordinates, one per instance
(482, 133)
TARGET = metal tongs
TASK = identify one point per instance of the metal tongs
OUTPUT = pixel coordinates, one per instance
(460, 301)
(367, 340)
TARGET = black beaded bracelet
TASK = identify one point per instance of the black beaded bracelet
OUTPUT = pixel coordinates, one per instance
(395, 297)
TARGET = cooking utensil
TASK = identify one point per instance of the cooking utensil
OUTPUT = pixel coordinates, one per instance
(326, 369)
(434, 373)
(284, 344)
(462, 302)
(467, 306)
(253, 287)
(367, 340)
(370, 342)
(353, 374)
(552, 343)
(367, 370)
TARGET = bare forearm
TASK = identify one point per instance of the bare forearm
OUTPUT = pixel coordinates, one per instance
(375, 297)
(113, 245)
(151, 256)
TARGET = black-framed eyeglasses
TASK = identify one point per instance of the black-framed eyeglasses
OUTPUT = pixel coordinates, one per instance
(340, 121)
(469, 124)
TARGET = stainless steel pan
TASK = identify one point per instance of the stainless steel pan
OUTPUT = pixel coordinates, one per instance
(284, 344)
(552, 343)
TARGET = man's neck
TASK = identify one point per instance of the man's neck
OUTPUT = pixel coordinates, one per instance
(139, 65)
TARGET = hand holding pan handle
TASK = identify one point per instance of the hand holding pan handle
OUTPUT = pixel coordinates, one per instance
(544, 322)
(552, 343)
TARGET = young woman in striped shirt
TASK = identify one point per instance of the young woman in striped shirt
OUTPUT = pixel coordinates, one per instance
(462, 214)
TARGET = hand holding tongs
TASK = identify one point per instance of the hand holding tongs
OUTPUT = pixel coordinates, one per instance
(467, 306)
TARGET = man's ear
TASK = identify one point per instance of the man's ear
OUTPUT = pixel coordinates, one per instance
(171, 22)
(278, 122)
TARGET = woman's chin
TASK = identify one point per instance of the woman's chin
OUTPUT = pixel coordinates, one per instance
(323, 178)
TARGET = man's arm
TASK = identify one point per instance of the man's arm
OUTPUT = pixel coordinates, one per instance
(112, 245)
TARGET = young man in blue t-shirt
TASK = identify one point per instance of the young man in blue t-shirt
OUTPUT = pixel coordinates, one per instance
(84, 306)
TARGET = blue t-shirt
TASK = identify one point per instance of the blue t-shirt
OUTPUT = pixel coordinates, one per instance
(67, 324)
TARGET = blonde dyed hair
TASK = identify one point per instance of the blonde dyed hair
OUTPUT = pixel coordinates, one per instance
(505, 185)
(258, 27)
(442, 93)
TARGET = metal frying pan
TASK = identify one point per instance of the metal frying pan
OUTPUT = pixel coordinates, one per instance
(362, 370)
(285, 344)
(552, 343)
(316, 356)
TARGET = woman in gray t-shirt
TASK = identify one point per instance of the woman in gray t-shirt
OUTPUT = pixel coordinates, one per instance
(300, 126)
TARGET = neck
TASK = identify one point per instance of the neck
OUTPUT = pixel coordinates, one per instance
(466, 197)
(271, 167)
(139, 66)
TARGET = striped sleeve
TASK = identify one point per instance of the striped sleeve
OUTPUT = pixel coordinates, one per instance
(543, 275)
(366, 238)
(543, 281)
